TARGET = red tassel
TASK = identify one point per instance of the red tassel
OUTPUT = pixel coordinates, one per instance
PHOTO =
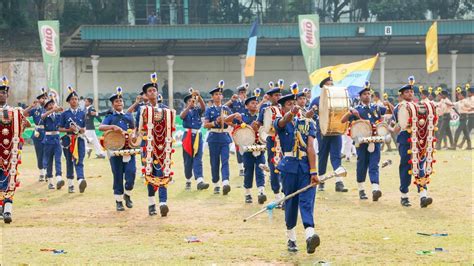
(435, 139)
(172, 173)
(434, 161)
(173, 150)
(145, 127)
(22, 140)
(409, 140)
(19, 161)
(273, 138)
(410, 162)
(143, 170)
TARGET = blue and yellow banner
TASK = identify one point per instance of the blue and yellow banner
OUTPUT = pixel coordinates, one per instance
(251, 51)
(352, 76)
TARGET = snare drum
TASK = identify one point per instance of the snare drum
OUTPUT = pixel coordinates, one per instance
(333, 104)
(262, 135)
(113, 140)
(244, 136)
(382, 129)
(361, 129)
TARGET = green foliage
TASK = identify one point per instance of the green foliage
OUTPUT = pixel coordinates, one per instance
(398, 9)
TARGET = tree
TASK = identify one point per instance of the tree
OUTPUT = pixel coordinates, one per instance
(386, 10)
(449, 9)
(333, 9)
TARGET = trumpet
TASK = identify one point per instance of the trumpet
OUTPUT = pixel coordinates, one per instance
(194, 94)
(75, 125)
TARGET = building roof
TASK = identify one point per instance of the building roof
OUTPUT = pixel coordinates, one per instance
(406, 37)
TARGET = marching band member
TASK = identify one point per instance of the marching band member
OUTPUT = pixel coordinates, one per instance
(12, 123)
(192, 139)
(367, 160)
(218, 139)
(156, 170)
(272, 96)
(237, 105)
(328, 146)
(123, 167)
(36, 110)
(52, 146)
(407, 94)
(470, 116)
(445, 131)
(298, 169)
(72, 122)
(251, 160)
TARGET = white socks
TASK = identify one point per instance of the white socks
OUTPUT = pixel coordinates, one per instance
(338, 179)
(199, 180)
(50, 180)
(277, 196)
(361, 186)
(423, 193)
(241, 166)
(128, 192)
(225, 182)
(59, 178)
(291, 234)
(309, 232)
(43, 172)
(405, 195)
(70, 182)
(118, 198)
(216, 184)
(151, 201)
(247, 191)
(8, 207)
(375, 187)
(162, 203)
(261, 190)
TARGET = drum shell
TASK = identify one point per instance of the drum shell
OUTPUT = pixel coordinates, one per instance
(333, 104)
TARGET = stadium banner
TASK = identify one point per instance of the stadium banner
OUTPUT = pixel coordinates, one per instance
(49, 37)
(309, 39)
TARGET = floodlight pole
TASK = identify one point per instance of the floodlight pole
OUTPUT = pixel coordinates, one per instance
(454, 57)
(95, 79)
(170, 62)
(382, 72)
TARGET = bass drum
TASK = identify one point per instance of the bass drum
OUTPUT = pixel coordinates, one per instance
(333, 104)
(244, 136)
(262, 135)
(269, 116)
(361, 129)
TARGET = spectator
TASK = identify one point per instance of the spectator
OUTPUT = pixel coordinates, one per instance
(164, 90)
(152, 19)
(82, 104)
(91, 135)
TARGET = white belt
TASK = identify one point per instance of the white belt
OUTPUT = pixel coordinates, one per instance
(51, 133)
(217, 130)
(193, 130)
(293, 154)
(39, 127)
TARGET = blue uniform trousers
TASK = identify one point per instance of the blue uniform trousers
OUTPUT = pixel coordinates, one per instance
(329, 146)
(162, 191)
(219, 153)
(52, 152)
(193, 164)
(274, 177)
(405, 177)
(78, 164)
(123, 170)
(251, 165)
(4, 179)
(368, 161)
(305, 201)
(39, 150)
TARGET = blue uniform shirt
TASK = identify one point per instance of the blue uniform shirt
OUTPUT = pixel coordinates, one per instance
(78, 116)
(36, 115)
(306, 127)
(193, 118)
(211, 115)
(247, 118)
(51, 123)
(315, 102)
(262, 111)
(124, 121)
(238, 106)
(371, 112)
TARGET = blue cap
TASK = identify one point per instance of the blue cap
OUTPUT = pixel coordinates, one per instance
(286, 98)
(249, 99)
(187, 97)
(216, 90)
(274, 90)
(43, 94)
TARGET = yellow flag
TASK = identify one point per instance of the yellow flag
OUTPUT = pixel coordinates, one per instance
(431, 44)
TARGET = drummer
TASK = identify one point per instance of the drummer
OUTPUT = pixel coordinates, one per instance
(407, 94)
(272, 96)
(218, 139)
(365, 159)
(192, 140)
(251, 160)
(328, 145)
(237, 105)
(123, 167)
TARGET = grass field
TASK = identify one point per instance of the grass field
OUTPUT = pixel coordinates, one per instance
(89, 229)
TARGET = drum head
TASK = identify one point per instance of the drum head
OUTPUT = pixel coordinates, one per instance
(361, 129)
(268, 119)
(262, 135)
(114, 140)
(382, 129)
(244, 136)
(333, 104)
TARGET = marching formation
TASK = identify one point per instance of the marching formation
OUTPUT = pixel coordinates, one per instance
(286, 138)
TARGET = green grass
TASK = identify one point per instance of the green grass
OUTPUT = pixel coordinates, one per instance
(91, 231)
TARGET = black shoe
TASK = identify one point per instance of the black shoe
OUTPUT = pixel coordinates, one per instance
(70, 189)
(217, 190)
(128, 201)
(119, 205)
(7, 217)
(340, 187)
(60, 184)
(376, 194)
(262, 198)
(405, 202)
(362, 195)
(201, 185)
(100, 156)
(188, 186)
(292, 246)
(241, 172)
(164, 210)
(248, 199)
(41, 178)
(89, 153)
(312, 243)
(51, 186)
(425, 201)
(321, 187)
(152, 210)
(82, 186)
(1, 212)
(225, 190)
